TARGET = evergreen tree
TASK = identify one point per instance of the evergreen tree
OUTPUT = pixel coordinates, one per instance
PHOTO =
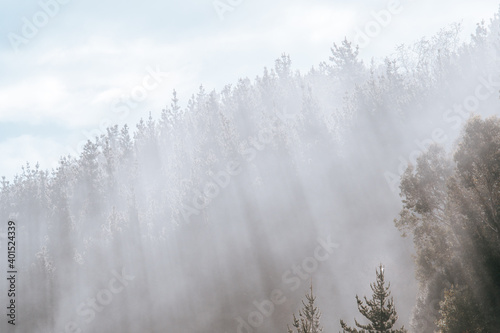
(379, 310)
(309, 317)
(283, 66)
(451, 208)
(346, 64)
(170, 115)
(125, 143)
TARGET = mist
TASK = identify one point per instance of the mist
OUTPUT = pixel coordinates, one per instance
(218, 213)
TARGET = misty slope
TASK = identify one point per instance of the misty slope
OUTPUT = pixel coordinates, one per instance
(297, 157)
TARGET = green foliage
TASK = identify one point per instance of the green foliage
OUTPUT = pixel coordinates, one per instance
(459, 313)
(309, 317)
(379, 311)
(451, 207)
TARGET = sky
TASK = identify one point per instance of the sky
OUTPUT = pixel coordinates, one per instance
(69, 68)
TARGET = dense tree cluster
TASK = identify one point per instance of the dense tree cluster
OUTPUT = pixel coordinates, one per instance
(163, 199)
(452, 209)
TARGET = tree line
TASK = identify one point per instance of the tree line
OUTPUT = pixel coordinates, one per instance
(121, 200)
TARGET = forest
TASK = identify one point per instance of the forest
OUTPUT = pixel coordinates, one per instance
(356, 197)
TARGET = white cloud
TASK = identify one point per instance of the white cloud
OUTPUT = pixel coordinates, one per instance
(17, 151)
(319, 23)
(32, 99)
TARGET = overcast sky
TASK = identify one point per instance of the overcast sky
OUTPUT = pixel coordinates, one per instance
(62, 74)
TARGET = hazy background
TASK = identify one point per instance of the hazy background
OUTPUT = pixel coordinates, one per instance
(325, 172)
(67, 79)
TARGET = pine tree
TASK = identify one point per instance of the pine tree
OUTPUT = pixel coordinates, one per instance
(346, 64)
(379, 310)
(309, 317)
